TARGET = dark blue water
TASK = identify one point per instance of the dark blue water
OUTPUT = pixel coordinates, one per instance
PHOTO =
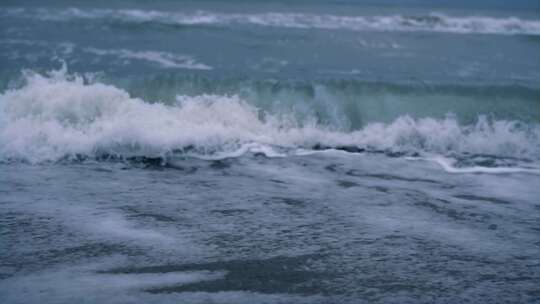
(269, 152)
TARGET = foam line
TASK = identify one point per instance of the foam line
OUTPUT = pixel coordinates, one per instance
(447, 165)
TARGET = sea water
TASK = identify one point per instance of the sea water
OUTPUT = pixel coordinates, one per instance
(270, 151)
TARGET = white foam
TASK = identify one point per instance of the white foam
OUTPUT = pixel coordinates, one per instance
(58, 115)
(164, 59)
(448, 165)
(82, 282)
(434, 22)
(117, 226)
(254, 148)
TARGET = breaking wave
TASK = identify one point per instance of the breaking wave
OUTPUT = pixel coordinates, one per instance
(434, 22)
(57, 116)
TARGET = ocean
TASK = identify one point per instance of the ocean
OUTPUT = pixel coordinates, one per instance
(273, 151)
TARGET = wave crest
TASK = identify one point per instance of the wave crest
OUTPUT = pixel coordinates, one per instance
(434, 22)
(58, 115)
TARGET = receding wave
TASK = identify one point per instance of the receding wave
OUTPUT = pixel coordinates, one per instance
(55, 116)
(434, 22)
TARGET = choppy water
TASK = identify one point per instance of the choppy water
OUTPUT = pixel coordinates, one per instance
(269, 152)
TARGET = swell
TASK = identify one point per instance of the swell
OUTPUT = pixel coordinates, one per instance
(351, 103)
(433, 22)
(60, 116)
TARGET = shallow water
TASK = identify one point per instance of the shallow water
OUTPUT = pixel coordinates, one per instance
(327, 227)
(306, 152)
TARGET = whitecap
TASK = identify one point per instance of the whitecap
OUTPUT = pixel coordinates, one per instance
(164, 59)
(432, 22)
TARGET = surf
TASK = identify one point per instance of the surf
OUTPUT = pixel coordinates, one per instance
(58, 115)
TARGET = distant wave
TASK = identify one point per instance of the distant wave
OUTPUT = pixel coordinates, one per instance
(57, 116)
(449, 166)
(433, 22)
(164, 59)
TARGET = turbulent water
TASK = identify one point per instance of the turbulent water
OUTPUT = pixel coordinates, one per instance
(269, 152)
